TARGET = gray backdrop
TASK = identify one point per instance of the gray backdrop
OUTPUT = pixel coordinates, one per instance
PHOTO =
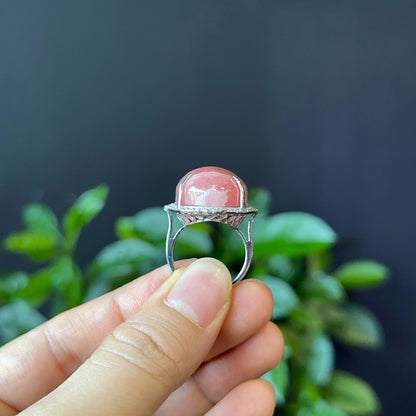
(314, 99)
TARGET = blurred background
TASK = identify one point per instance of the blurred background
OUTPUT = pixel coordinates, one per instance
(313, 99)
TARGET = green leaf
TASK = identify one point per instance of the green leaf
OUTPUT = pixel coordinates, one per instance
(297, 344)
(320, 408)
(11, 283)
(193, 241)
(37, 289)
(97, 288)
(306, 317)
(129, 251)
(321, 360)
(124, 228)
(288, 351)
(124, 259)
(38, 247)
(66, 277)
(352, 394)
(16, 318)
(260, 198)
(74, 292)
(309, 393)
(279, 379)
(292, 234)
(33, 289)
(286, 268)
(61, 273)
(358, 327)
(150, 224)
(319, 261)
(84, 209)
(41, 219)
(256, 270)
(229, 247)
(362, 274)
(321, 286)
(311, 356)
(285, 298)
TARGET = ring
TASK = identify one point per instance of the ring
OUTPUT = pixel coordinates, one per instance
(211, 194)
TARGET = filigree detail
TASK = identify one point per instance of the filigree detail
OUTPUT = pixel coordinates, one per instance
(232, 219)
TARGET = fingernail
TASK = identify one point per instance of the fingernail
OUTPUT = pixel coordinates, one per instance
(201, 291)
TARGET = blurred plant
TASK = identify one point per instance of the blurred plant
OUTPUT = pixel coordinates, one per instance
(292, 256)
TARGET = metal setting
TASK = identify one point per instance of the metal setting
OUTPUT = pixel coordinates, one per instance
(195, 214)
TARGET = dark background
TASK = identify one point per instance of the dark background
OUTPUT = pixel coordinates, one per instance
(315, 100)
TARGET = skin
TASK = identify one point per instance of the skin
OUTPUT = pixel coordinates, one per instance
(134, 351)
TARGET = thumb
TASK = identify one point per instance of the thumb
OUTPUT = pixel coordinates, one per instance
(151, 354)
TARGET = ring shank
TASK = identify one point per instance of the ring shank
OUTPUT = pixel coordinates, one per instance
(248, 245)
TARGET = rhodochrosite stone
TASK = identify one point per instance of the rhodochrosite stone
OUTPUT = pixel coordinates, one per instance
(211, 187)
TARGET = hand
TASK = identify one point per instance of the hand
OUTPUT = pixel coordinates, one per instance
(183, 344)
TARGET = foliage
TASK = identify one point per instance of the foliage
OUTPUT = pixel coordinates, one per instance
(292, 256)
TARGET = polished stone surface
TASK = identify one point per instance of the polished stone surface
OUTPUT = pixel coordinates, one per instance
(211, 187)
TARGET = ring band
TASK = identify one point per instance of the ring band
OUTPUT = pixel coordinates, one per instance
(198, 195)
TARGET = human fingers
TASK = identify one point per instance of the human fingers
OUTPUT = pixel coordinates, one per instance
(37, 362)
(216, 378)
(152, 353)
(6, 410)
(251, 308)
(252, 398)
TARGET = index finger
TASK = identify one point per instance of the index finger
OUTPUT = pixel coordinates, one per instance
(37, 362)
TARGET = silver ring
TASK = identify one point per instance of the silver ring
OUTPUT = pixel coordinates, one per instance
(196, 196)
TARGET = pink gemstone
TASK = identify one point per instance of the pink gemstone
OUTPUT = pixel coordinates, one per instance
(211, 187)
